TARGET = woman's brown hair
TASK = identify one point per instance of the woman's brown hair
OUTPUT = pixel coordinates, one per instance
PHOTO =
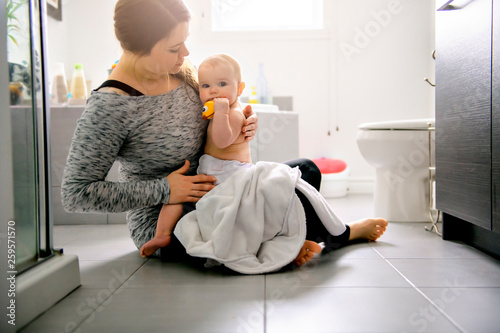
(140, 24)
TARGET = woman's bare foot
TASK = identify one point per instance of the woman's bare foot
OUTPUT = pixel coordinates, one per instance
(370, 229)
(157, 242)
(307, 252)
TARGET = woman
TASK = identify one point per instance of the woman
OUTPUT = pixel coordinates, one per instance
(147, 116)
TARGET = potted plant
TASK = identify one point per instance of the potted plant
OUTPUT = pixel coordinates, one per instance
(19, 76)
(12, 21)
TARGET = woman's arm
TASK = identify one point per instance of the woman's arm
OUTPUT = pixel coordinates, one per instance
(95, 146)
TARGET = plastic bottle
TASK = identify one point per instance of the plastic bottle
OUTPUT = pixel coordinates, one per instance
(78, 86)
(253, 97)
(262, 90)
(59, 89)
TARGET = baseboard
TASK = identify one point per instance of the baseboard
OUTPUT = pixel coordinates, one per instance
(361, 185)
(42, 286)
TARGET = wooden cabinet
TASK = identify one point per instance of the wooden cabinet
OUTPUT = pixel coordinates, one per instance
(467, 122)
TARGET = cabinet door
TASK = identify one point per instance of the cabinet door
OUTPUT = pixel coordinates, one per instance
(463, 110)
(495, 116)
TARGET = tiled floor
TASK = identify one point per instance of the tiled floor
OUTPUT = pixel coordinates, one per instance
(408, 281)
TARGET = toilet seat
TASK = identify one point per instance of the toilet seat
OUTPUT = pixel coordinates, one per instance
(399, 125)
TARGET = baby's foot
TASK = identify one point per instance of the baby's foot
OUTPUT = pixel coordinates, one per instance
(157, 242)
(307, 252)
(369, 229)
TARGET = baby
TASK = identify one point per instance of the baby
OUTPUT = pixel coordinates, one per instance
(226, 150)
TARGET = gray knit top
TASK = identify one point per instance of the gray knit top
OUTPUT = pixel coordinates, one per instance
(150, 136)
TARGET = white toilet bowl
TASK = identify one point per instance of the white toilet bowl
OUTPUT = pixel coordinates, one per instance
(399, 151)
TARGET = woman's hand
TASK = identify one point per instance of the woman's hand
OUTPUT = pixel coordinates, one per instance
(250, 126)
(188, 188)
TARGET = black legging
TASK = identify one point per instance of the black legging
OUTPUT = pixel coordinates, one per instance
(316, 231)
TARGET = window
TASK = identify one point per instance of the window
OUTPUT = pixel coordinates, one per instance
(267, 15)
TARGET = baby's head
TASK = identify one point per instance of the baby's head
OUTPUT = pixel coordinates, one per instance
(220, 76)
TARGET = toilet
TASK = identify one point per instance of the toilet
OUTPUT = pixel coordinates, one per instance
(399, 152)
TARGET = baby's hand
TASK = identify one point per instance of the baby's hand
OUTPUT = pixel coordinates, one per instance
(221, 104)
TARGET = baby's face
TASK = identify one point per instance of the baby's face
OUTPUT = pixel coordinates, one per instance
(217, 80)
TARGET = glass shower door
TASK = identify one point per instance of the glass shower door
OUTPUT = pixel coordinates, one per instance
(29, 266)
(28, 126)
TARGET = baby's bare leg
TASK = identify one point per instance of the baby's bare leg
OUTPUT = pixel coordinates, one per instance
(169, 215)
(307, 252)
(370, 229)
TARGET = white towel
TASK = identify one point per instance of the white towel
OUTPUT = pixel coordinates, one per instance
(254, 222)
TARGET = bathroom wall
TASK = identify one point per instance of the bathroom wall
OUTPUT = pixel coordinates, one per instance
(85, 35)
(369, 64)
(382, 78)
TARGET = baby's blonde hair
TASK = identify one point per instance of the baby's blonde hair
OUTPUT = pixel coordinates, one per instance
(224, 59)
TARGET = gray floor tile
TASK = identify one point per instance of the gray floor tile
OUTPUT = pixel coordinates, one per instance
(418, 249)
(353, 206)
(401, 231)
(442, 272)
(65, 234)
(353, 289)
(108, 274)
(359, 250)
(343, 272)
(329, 310)
(474, 309)
(181, 309)
(70, 312)
(157, 274)
(101, 242)
(411, 240)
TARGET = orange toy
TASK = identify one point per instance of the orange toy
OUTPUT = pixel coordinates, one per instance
(208, 110)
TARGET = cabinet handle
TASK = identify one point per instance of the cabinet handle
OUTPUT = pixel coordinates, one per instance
(429, 82)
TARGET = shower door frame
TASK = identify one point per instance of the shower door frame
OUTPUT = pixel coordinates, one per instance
(49, 272)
